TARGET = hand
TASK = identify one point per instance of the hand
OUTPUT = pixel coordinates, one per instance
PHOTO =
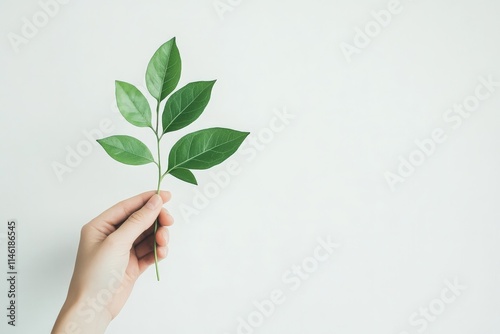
(115, 249)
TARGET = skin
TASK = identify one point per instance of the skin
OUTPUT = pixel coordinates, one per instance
(115, 249)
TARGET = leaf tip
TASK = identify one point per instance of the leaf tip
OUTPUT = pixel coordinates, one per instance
(119, 85)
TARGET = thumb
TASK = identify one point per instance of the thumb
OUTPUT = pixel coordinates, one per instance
(139, 221)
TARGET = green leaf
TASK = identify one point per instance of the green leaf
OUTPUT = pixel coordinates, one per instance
(132, 104)
(184, 175)
(164, 70)
(127, 150)
(205, 148)
(186, 105)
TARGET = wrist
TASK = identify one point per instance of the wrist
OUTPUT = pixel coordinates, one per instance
(82, 316)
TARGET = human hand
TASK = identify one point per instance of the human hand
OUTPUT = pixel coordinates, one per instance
(115, 249)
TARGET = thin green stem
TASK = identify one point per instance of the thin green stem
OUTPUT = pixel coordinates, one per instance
(158, 186)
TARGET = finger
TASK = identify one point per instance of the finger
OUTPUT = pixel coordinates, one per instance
(138, 222)
(165, 219)
(147, 244)
(149, 258)
(162, 236)
(119, 212)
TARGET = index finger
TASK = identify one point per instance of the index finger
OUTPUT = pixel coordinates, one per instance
(119, 212)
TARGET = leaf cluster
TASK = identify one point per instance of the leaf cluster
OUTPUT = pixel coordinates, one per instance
(195, 151)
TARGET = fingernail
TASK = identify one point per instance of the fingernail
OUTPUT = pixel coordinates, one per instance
(154, 202)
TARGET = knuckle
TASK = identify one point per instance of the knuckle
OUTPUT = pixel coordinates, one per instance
(85, 230)
(136, 218)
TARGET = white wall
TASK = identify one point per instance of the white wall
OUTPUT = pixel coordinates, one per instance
(322, 176)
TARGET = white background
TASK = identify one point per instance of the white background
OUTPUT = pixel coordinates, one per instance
(322, 175)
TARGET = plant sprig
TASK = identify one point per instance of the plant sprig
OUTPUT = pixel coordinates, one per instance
(198, 150)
